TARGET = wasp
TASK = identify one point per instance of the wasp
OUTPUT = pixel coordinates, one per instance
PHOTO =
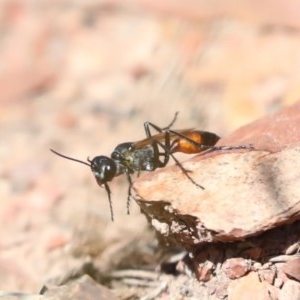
(151, 153)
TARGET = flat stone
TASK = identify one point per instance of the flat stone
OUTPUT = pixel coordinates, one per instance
(236, 267)
(250, 287)
(292, 269)
(290, 291)
(83, 288)
(246, 192)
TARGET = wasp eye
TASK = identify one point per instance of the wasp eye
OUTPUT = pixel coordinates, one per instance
(103, 168)
(116, 155)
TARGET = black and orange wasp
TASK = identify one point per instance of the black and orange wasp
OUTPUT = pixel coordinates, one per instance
(151, 153)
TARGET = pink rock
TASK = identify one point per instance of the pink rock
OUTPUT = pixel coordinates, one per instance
(35, 67)
(83, 288)
(250, 287)
(290, 291)
(246, 192)
(57, 241)
(268, 275)
(292, 269)
(204, 271)
(236, 267)
(66, 119)
(282, 277)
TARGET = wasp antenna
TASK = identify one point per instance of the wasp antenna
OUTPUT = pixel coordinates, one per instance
(70, 158)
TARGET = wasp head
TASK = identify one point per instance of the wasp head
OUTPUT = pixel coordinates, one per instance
(103, 168)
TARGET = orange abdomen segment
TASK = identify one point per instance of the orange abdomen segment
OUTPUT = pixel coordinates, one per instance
(200, 137)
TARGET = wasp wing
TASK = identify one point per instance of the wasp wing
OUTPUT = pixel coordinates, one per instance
(160, 137)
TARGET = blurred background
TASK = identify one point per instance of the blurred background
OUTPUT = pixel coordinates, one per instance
(82, 76)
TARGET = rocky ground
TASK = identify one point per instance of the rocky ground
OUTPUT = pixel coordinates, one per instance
(82, 77)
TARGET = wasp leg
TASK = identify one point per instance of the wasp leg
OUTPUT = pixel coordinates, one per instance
(186, 172)
(129, 195)
(147, 126)
(236, 147)
(109, 200)
(168, 149)
(167, 146)
(156, 144)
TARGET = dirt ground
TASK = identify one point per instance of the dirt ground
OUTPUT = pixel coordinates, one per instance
(82, 77)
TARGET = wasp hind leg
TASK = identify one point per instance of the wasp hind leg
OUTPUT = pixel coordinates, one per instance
(167, 147)
(147, 126)
(168, 152)
(129, 194)
(186, 172)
